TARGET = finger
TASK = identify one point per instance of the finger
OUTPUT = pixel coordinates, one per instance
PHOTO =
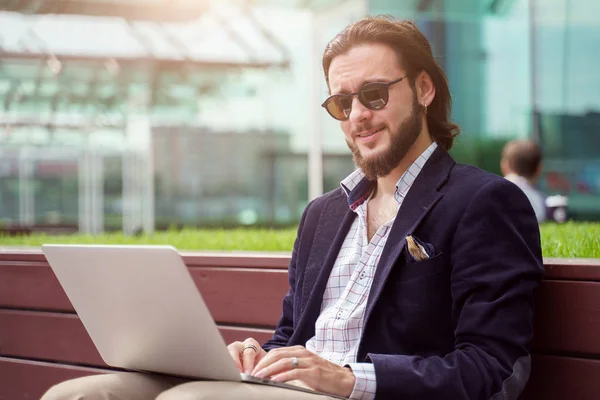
(275, 355)
(324, 378)
(305, 375)
(250, 350)
(248, 358)
(234, 350)
(283, 365)
(301, 375)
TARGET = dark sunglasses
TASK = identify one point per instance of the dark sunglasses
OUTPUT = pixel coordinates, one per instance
(373, 95)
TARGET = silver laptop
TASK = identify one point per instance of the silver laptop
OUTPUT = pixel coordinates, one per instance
(143, 311)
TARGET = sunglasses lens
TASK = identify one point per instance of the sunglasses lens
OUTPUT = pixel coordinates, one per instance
(374, 96)
(339, 107)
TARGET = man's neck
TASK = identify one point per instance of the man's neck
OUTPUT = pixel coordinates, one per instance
(386, 185)
(512, 175)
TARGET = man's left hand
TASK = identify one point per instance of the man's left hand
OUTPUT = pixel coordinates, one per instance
(296, 363)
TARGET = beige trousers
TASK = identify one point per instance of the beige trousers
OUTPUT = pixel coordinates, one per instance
(137, 386)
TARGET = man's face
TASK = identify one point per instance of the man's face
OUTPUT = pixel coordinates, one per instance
(378, 139)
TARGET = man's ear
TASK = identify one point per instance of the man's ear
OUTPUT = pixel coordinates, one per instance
(425, 89)
(504, 166)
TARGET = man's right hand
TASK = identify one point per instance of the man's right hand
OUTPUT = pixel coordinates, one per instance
(246, 354)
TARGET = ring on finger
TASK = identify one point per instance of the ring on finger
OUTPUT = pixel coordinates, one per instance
(294, 362)
(250, 346)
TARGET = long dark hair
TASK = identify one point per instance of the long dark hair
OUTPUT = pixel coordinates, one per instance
(414, 54)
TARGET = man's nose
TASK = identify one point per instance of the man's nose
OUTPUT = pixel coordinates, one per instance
(359, 113)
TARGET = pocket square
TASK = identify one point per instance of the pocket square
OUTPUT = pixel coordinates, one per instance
(418, 250)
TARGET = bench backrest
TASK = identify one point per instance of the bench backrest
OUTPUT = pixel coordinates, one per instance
(42, 341)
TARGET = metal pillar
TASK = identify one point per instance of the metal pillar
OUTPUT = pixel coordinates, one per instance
(535, 128)
(138, 177)
(26, 193)
(148, 210)
(91, 191)
(131, 220)
(315, 142)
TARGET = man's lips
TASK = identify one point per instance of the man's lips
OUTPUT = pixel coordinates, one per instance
(368, 133)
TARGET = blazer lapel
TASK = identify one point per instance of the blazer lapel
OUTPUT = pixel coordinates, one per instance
(422, 196)
(330, 234)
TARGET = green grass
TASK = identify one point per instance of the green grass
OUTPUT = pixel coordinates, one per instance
(569, 240)
(581, 240)
(187, 239)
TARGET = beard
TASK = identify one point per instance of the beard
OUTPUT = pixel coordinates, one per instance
(401, 141)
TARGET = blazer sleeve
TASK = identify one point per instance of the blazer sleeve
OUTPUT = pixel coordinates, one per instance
(285, 326)
(496, 266)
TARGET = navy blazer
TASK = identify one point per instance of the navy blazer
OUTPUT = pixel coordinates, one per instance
(455, 326)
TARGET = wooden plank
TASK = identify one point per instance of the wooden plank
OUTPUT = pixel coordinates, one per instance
(62, 337)
(242, 296)
(17, 254)
(567, 318)
(560, 378)
(587, 269)
(46, 336)
(191, 259)
(27, 380)
(237, 260)
(580, 269)
(31, 285)
(247, 296)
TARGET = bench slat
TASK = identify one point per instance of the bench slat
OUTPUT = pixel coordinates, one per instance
(31, 285)
(567, 318)
(560, 378)
(246, 296)
(196, 258)
(62, 337)
(584, 269)
(242, 296)
(575, 269)
(237, 260)
(26, 380)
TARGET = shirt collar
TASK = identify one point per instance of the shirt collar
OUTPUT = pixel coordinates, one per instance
(358, 188)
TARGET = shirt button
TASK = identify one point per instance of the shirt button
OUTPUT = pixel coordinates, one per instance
(339, 315)
(362, 275)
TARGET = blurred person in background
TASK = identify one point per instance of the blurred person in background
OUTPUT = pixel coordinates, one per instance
(521, 163)
(413, 280)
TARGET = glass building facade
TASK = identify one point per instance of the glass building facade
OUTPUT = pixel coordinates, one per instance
(106, 124)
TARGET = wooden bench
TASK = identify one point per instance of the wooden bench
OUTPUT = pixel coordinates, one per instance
(42, 341)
